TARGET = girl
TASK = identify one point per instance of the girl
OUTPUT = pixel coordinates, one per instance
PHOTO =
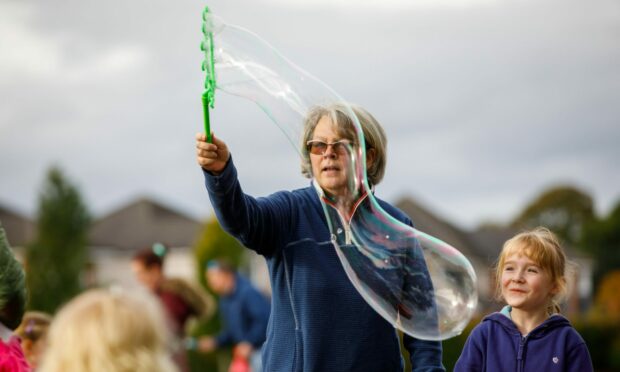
(109, 331)
(528, 334)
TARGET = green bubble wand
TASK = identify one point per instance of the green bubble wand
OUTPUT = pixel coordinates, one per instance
(208, 66)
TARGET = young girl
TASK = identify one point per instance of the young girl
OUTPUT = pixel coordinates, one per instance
(528, 334)
(109, 331)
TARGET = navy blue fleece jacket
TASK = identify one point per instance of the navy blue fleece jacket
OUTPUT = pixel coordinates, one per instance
(318, 321)
(497, 345)
(245, 312)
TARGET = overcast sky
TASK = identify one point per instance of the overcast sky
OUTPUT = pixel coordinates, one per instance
(485, 102)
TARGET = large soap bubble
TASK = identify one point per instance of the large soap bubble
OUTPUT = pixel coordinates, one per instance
(418, 283)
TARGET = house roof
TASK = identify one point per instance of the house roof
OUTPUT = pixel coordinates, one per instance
(428, 222)
(20, 230)
(141, 223)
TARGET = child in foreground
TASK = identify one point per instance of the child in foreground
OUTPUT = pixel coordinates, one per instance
(528, 334)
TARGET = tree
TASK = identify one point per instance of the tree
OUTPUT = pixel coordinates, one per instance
(54, 261)
(607, 299)
(602, 239)
(564, 209)
(214, 242)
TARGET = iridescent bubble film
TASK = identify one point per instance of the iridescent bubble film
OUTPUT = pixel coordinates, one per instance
(421, 285)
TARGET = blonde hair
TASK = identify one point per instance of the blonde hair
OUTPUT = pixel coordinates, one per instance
(541, 246)
(109, 331)
(374, 135)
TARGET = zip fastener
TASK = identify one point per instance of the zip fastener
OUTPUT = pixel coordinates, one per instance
(347, 228)
(520, 354)
(346, 224)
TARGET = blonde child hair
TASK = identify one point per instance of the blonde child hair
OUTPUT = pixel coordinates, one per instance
(541, 246)
(109, 331)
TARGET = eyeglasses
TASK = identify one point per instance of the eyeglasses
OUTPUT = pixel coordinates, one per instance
(318, 147)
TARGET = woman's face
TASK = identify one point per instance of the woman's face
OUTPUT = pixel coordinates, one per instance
(329, 168)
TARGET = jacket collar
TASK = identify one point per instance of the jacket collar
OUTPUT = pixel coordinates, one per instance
(554, 321)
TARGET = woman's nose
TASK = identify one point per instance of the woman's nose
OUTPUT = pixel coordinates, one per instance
(330, 152)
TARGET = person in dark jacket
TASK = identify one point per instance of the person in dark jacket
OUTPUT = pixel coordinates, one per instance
(528, 334)
(244, 311)
(318, 322)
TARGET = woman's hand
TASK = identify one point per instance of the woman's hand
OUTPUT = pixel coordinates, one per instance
(211, 157)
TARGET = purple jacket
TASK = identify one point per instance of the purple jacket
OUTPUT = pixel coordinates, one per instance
(497, 345)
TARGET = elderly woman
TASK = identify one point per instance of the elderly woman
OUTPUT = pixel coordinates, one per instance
(319, 322)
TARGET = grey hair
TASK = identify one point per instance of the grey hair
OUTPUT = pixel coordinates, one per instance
(374, 135)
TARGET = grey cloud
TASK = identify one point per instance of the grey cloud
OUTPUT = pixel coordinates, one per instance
(483, 105)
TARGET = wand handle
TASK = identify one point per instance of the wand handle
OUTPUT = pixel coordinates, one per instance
(205, 109)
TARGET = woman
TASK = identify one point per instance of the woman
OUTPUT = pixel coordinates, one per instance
(319, 322)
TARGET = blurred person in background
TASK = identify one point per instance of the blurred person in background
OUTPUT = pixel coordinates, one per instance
(12, 307)
(33, 334)
(180, 300)
(245, 314)
(109, 331)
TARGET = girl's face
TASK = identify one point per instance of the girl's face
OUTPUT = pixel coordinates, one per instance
(525, 285)
(329, 168)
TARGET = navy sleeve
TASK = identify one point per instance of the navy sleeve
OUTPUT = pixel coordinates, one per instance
(471, 358)
(259, 224)
(425, 355)
(578, 359)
